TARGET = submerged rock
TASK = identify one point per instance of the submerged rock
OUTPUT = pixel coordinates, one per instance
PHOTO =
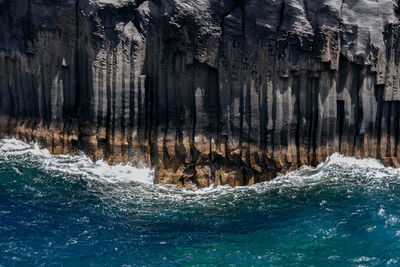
(211, 91)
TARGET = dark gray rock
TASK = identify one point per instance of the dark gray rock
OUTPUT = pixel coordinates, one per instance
(206, 90)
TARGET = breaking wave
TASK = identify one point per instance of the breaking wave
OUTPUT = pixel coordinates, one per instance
(15, 150)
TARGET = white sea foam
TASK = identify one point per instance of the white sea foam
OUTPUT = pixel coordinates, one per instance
(330, 170)
(79, 165)
(336, 169)
(338, 159)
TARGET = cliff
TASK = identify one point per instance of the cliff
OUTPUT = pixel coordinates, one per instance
(207, 91)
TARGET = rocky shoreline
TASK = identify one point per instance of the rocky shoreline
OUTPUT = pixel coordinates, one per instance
(206, 92)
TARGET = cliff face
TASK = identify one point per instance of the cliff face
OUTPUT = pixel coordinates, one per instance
(208, 91)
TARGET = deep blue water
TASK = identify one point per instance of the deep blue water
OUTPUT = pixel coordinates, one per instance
(69, 211)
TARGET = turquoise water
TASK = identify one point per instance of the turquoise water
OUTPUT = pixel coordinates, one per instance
(70, 211)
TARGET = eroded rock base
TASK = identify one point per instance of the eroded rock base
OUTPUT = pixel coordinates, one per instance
(191, 163)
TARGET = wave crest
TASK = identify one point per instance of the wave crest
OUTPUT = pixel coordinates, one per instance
(76, 165)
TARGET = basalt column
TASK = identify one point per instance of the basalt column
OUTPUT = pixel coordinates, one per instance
(206, 92)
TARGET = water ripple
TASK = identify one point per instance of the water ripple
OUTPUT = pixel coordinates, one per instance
(67, 210)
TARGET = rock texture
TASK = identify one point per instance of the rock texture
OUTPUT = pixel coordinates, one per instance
(207, 91)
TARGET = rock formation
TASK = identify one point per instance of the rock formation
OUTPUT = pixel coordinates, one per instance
(206, 91)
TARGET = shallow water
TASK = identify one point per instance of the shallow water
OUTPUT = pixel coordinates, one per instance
(62, 210)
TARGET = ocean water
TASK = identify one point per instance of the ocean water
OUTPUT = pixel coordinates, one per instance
(62, 210)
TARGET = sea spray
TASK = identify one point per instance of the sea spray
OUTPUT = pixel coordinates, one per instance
(12, 149)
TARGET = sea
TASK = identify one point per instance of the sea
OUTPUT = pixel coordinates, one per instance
(71, 211)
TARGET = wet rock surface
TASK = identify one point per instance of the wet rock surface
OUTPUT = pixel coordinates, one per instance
(209, 91)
